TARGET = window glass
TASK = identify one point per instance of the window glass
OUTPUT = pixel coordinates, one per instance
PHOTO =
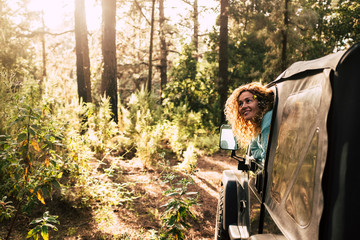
(300, 200)
(297, 125)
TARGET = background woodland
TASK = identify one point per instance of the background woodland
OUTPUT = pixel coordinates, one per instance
(148, 83)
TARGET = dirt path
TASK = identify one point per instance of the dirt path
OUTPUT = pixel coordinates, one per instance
(144, 213)
(208, 180)
(139, 217)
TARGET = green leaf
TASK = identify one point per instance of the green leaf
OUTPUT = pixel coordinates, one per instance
(171, 221)
(34, 232)
(191, 193)
(22, 137)
(56, 184)
(164, 205)
(172, 194)
(31, 131)
(44, 232)
(36, 221)
(59, 175)
(52, 226)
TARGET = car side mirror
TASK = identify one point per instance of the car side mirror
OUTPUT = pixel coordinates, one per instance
(227, 138)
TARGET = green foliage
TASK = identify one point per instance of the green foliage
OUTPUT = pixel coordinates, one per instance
(190, 159)
(141, 125)
(13, 93)
(153, 130)
(44, 224)
(29, 164)
(315, 28)
(191, 86)
(88, 143)
(43, 138)
(246, 56)
(181, 128)
(100, 129)
(16, 53)
(7, 210)
(143, 111)
(178, 209)
(344, 23)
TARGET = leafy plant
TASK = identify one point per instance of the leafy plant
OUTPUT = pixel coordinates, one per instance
(190, 85)
(100, 128)
(29, 169)
(6, 209)
(142, 125)
(44, 224)
(177, 213)
(190, 160)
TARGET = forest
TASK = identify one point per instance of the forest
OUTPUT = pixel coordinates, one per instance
(110, 109)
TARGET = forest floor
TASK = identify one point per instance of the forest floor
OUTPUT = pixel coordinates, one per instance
(137, 218)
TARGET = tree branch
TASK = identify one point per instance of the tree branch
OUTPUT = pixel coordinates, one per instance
(139, 7)
(36, 33)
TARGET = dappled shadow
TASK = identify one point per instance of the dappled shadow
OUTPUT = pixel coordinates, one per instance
(129, 220)
(145, 211)
(207, 183)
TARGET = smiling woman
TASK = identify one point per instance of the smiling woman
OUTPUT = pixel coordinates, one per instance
(248, 105)
(249, 111)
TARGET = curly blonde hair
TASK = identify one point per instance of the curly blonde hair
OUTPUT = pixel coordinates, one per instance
(246, 130)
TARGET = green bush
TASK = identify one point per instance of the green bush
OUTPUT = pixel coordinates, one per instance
(178, 208)
(191, 83)
(100, 129)
(153, 130)
(139, 123)
(29, 164)
(29, 160)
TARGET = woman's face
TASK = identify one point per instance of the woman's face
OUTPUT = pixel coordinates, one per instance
(248, 106)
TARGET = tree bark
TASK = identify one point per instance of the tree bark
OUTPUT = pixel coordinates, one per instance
(151, 47)
(108, 77)
(82, 52)
(284, 34)
(163, 49)
(223, 56)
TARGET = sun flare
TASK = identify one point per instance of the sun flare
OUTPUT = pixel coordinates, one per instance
(56, 11)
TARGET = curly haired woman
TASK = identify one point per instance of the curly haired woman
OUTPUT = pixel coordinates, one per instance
(249, 111)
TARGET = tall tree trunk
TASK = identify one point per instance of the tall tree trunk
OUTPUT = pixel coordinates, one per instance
(196, 29)
(163, 49)
(284, 34)
(223, 56)
(108, 77)
(82, 52)
(151, 46)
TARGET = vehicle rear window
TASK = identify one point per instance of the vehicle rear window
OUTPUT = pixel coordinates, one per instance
(296, 154)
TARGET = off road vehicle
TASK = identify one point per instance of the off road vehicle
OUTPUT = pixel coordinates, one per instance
(308, 186)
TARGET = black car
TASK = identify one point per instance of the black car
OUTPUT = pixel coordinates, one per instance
(307, 187)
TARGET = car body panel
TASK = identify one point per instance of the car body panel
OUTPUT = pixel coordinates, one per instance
(307, 187)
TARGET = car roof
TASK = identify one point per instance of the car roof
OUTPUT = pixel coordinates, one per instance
(327, 62)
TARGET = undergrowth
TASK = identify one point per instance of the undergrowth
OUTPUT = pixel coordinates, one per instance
(52, 147)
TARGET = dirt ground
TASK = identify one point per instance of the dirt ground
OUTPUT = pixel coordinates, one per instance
(138, 219)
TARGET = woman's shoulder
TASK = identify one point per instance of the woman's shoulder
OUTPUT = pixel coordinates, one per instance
(266, 121)
(267, 117)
